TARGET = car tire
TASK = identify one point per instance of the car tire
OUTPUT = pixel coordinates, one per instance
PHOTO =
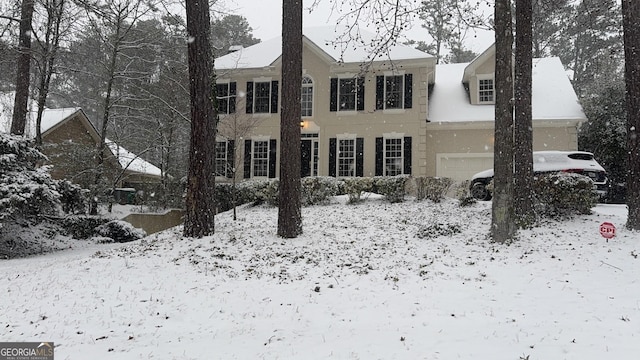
(479, 191)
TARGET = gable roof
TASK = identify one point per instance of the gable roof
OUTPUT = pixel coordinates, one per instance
(266, 53)
(54, 118)
(553, 97)
(132, 162)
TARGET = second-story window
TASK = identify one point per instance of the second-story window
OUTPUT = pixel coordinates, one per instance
(307, 97)
(226, 97)
(262, 96)
(347, 94)
(394, 91)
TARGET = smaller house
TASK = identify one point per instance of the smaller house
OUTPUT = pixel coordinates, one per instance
(69, 141)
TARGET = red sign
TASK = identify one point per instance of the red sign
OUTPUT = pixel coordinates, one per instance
(608, 230)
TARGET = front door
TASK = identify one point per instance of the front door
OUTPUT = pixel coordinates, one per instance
(309, 157)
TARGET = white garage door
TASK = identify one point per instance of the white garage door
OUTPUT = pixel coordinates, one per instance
(462, 166)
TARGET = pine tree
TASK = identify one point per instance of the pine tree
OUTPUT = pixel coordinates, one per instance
(200, 202)
(289, 202)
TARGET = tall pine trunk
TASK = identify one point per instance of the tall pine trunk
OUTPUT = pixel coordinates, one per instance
(289, 203)
(523, 126)
(503, 227)
(23, 74)
(631, 24)
(199, 202)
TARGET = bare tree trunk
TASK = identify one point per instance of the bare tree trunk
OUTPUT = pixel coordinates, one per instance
(503, 227)
(289, 203)
(631, 24)
(19, 119)
(200, 201)
(523, 131)
(49, 47)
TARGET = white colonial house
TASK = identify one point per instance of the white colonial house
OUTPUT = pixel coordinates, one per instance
(404, 115)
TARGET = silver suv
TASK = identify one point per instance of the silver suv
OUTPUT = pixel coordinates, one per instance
(545, 162)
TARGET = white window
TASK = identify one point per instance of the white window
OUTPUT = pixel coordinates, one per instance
(394, 92)
(393, 156)
(346, 157)
(226, 97)
(260, 158)
(485, 91)
(262, 97)
(347, 94)
(307, 97)
(221, 165)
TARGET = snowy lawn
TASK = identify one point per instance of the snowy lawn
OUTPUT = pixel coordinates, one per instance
(415, 280)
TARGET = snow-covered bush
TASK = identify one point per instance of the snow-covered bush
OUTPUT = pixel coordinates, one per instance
(72, 197)
(120, 231)
(318, 189)
(260, 191)
(355, 187)
(81, 227)
(27, 192)
(224, 196)
(392, 187)
(432, 188)
(564, 194)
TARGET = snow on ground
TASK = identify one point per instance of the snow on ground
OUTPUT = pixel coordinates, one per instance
(366, 281)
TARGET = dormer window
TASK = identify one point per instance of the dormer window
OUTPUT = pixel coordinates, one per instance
(486, 91)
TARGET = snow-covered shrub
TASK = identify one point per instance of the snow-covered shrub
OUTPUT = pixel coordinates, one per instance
(81, 227)
(260, 191)
(318, 189)
(355, 187)
(27, 192)
(120, 231)
(437, 230)
(392, 187)
(432, 188)
(462, 193)
(564, 194)
(72, 197)
(224, 196)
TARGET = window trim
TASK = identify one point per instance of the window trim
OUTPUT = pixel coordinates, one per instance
(255, 140)
(481, 78)
(311, 85)
(230, 97)
(392, 136)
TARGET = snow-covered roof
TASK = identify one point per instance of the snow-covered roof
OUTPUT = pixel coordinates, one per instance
(267, 52)
(53, 117)
(131, 161)
(553, 97)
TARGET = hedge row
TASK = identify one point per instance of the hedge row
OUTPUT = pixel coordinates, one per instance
(319, 190)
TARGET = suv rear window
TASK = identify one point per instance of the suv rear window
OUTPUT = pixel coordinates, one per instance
(581, 156)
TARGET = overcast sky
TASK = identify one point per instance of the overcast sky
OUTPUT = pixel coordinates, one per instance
(265, 17)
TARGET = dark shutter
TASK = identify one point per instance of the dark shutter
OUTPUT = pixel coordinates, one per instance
(360, 105)
(274, 96)
(333, 100)
(232, 97)
(408, 91)
(272, 158)
(407, 155)
(249, 99)
(379, 156)
(360, 157)
(231, 158)
(379, 92)
(247, 159)
(332, 157)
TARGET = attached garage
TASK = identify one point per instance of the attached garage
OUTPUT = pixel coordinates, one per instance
(462, 166)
